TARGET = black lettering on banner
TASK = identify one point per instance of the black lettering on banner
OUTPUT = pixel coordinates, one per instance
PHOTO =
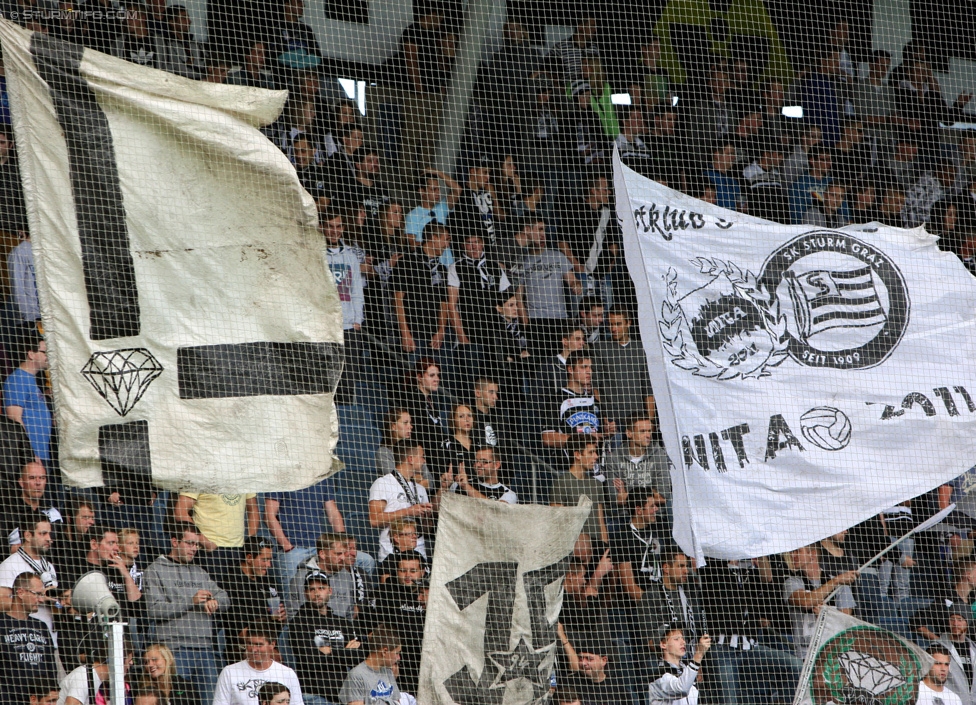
(780, 437)
(497, 579)
(734, 435)
(670, 220)
(698, 455)
(535, 582)
(946, 396)
(503, 664)
(969, 400)
(110, 279)
(717, 453)
(923, 401)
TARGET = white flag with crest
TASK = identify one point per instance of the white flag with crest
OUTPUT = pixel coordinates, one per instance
(806, 379)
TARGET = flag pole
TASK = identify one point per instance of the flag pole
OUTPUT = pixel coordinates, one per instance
(808, 662)
(927, 524)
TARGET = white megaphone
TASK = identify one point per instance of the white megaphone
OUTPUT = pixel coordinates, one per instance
(92, 594)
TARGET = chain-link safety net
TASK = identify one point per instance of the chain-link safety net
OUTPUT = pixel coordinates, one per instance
(487, 352)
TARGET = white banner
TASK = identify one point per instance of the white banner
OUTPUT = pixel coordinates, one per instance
(851, 661)
(806, 379)
(193, 333)
(500, 649)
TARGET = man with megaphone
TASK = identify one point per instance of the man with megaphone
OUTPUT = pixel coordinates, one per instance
(104, 556)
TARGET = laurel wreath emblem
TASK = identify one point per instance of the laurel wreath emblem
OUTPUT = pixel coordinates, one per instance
(675, 329)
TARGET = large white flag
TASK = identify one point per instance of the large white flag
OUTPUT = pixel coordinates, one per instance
(495, 595)
(806, 379)
(194, 336)
(850, 661)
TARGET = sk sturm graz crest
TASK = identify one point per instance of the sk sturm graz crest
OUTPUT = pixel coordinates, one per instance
(845, 301)
(865, 666)
(825, 299)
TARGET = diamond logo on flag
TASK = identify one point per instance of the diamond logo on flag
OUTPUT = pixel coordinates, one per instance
(865, 672)
(122, 376)
(865, 665)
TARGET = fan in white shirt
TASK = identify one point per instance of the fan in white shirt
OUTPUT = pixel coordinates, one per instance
(240, 682)
(932, 690)
(399, 495)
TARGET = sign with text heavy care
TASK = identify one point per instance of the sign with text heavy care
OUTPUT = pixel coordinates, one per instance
(195, 339)
(806, 379)
(496, 589)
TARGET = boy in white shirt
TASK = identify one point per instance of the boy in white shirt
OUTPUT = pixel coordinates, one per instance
(240, 682)
(675, 684)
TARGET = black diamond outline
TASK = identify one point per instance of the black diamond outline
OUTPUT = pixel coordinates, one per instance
(116, 380)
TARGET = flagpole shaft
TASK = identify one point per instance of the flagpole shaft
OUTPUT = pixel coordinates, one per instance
(882, 553)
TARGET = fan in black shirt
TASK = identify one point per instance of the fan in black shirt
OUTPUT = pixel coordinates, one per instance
(582, 615)
(459, 448)
(104, 556)
(597, 681)
(834, 558)
(636, 549)
(506, 348)
(474, 284)
(254, 599)
(403, 602)
(325, 646)
(365, 191)
(317, 179)
(425, 406)
(293, 42)
(26, 646)
(475, 211)
(137, 43)
(490, 423)
(420, 291)
(29, 497)
(422, 46)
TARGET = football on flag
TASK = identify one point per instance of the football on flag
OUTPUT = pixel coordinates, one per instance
(826, 428)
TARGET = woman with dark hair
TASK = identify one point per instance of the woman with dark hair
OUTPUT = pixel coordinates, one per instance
(397, 426)
(460, 446)
(422, 400)
(272, 693)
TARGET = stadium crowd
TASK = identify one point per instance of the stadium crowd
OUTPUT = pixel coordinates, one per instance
(491, 344)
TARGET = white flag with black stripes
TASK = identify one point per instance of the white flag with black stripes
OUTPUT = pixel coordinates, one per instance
(806, 379)
(195, 339)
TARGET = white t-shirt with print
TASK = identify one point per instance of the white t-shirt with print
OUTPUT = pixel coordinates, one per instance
(388, 489)
(239, 683)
